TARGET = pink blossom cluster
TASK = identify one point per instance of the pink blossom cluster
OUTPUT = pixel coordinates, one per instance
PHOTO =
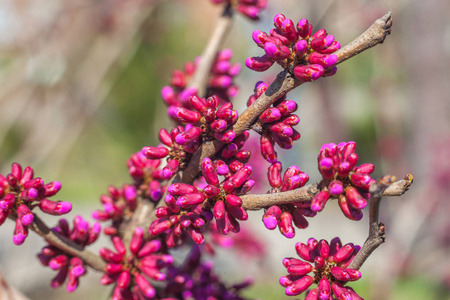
(328, 262)
(20, 192)
(308, 56)
(131, 270)
(276, 123)
(249, 8)
(343, 180)
(284, 215)
(220, 81)
(195, 279)
(69, 266)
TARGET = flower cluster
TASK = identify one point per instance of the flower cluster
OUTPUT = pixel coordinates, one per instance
(284, 215)
(67, 265)
(328, 262)
(118, 206)
(177, 155)
(309, 56)
(20, 192)
(275, 124)
(147, 176)
(214, 120)
(249, 8)
(220, 81)
(130, 272)
(196, 280)
(343, 180)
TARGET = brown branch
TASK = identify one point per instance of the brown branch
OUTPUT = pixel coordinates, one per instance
(376, 229)
(306, 193)
(200, 79)
(284, 83)
(67, 245)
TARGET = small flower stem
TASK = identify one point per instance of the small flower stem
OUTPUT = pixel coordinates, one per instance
(376, 229)
(66, 245)
(284, 83)
(200, 78)
(306, 193)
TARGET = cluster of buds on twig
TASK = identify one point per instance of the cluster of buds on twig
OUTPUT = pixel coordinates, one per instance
(343, 180)
(20, 192)
(329, 263)
(284, 215)
(308, 56)
(220, 81)
(130, 270)
(275, 124)
(82, 234)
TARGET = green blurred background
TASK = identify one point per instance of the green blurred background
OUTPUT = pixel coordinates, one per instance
(80, 92)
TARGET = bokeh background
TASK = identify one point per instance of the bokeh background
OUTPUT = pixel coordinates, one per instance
(80, 92)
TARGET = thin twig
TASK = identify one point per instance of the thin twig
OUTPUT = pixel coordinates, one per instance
(376, 229)
(306, 193)
(200, 79)
(67, 245)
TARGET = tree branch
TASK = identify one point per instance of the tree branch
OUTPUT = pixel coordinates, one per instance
(200, 79)
(284, 83)
(306, 193)
(67, 245)
(376, 229)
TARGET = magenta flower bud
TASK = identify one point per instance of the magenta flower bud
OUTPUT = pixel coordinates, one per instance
(226, 137)
(299, 269)
(336, 188)
(52, 188)
(350, 212)
(221, 81)
(294, 182)
(267, 149)
(319, 34)
(144, 285)
(165, 138)
(332, 48)
(301, 47)
(319, 201)
(3, 216)
(326, 61)
(20, 233)
(313, 295)
(288, 30)
(137, 240)
(260, 37)
(185, 95)
(271, 217)
(298, 219)
(274, 175)
(209, 172)
(179, 189)
(281, 129)
(30, 194)
(198, 103)
(309, 72)
(291, 171)
(7, 202)
(365, 168)
(16, 170)
(324, 289)
(285, 281)
(304, 29)
(354, 198)
(168, 95)
(278, 20)
(219, 210)
(360, 179)
(195, 235)
(304, 252)
(276, 52)
(119, 245)
(224, 112)
(188, 136)
(326, 168)
(241, 176)
(211, 191)
(183, 115)
(58, 262)
(235, 166)
(124, 280)
(233, 200)
(299, 286)
(219, 125)
(170, 169)
(25, 215)
(55, 208)
(77, 267)
(222, 167)
(285, 225)
(190, 199)
(259, 63)
(270, 115)
(291, 120)
(110, 256)
(26, 175)
(155, 152)
(221, 67)
(343, 274)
